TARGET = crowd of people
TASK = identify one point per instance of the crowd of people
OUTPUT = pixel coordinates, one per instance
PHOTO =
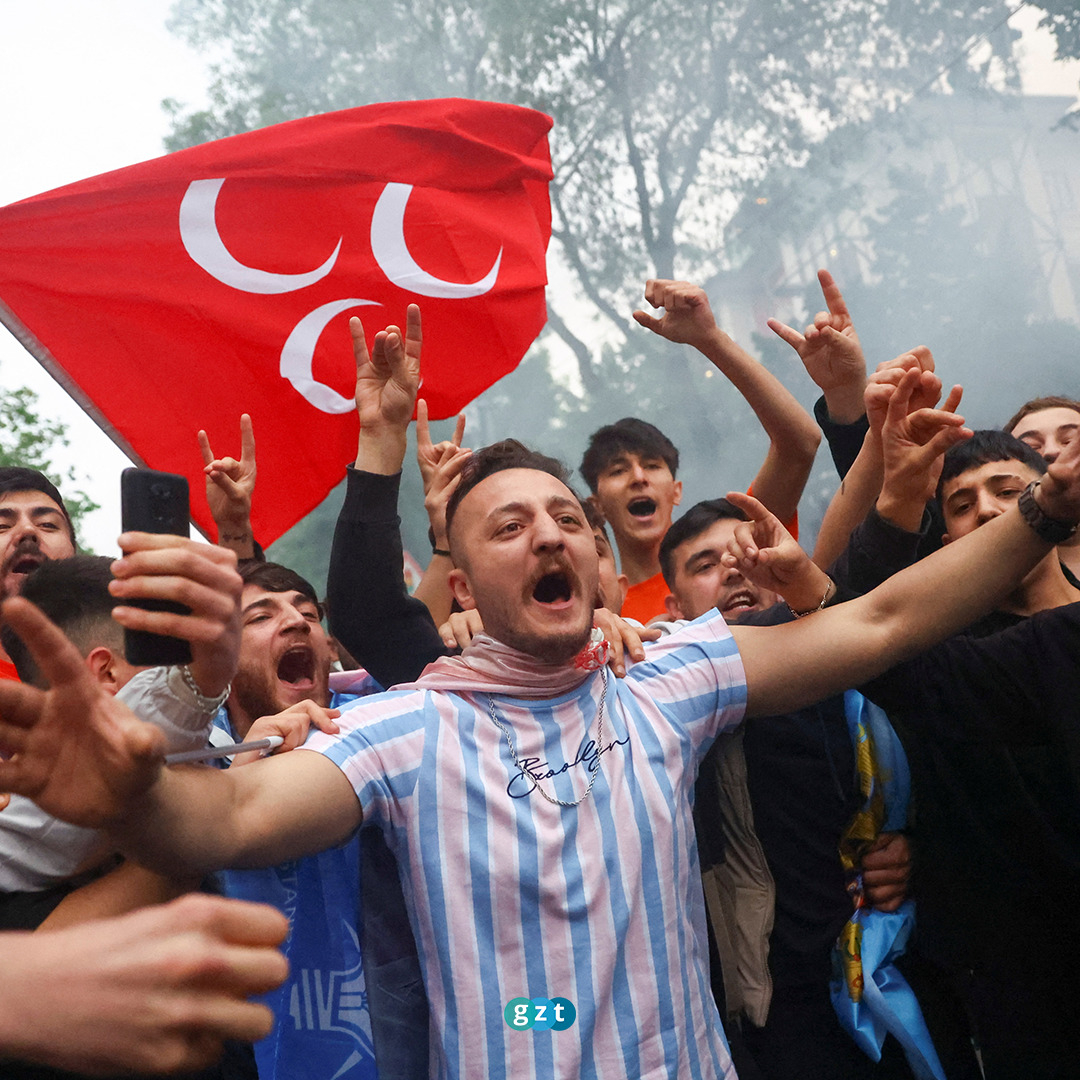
(737, 808)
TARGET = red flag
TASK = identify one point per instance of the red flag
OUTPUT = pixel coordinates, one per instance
(176, 294)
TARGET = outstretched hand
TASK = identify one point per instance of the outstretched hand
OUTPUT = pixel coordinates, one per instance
(829, 348)
(75, 750)
(230, 485)
(687, 317)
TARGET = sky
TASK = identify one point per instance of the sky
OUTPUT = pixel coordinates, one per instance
(82, 83)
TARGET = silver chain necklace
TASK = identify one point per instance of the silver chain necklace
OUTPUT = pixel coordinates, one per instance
(524, 772)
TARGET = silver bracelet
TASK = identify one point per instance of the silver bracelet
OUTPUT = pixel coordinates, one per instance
(208, 705)
(830, 592)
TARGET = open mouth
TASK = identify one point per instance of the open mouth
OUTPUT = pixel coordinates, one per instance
(553, 588)
(297, 666)
(642, 507)
(739, 601)
(25, 564)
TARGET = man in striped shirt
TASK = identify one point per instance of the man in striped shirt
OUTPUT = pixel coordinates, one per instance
(542, 814)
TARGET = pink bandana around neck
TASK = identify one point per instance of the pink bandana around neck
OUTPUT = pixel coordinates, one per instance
(490, 667)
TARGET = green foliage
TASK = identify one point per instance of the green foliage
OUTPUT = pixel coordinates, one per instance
(29, 439)
(663, 121)
(674, 127)
(1062, 19)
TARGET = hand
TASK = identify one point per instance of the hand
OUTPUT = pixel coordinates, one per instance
(887, 376)
(831, 352)
(912, 443)
(202, 577)
(292, 724)
(387, 380)
(687, 317)
(886, 867)
(229, 487)
(157, 990)
(440, 466)
(77, 751)
(459, 630)
(764, 552)
(623, 639)
(428, 454)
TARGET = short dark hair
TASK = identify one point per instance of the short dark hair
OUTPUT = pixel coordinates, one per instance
(694, 522)
(1037, 405)
(626, 436)
(597, 521)
(983, 447)
(17, 478)
(273, 577)
(74, 594)
(508, 454)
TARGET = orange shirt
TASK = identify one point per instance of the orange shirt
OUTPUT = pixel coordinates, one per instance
(645, 600)
(7, 671)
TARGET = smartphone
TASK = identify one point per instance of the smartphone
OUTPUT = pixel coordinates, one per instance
(155, 502)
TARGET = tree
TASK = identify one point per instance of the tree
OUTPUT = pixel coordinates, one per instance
(667, 122)
(664, 120)
(28, 439)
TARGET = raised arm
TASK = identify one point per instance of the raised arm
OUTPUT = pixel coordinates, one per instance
(793, 435)
(793, 665)
(84, 757)
(371, 613)
(440, 466)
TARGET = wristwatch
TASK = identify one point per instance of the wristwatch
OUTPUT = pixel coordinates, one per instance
(1052, 530)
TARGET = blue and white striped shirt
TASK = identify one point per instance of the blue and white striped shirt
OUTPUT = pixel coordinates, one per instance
(511, 896)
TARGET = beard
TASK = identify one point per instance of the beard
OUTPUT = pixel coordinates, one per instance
(259, 693)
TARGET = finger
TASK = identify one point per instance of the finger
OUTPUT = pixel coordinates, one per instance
(324, 719)
(414, 337)
(631, 640)
(924, 356)
(247, 439)
(615, 655)
(5, 798)
(160, 553)
(885, 877)
(204, 446)
(238, 922)
(898, 402)
(459, 430)
(952, 402)
(423, 430)
(834, 299)
(787, 333)
(750, 506)
(648, 321)
(359, 342)
(742, 544)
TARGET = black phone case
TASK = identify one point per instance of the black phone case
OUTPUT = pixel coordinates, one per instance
(155, 502)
